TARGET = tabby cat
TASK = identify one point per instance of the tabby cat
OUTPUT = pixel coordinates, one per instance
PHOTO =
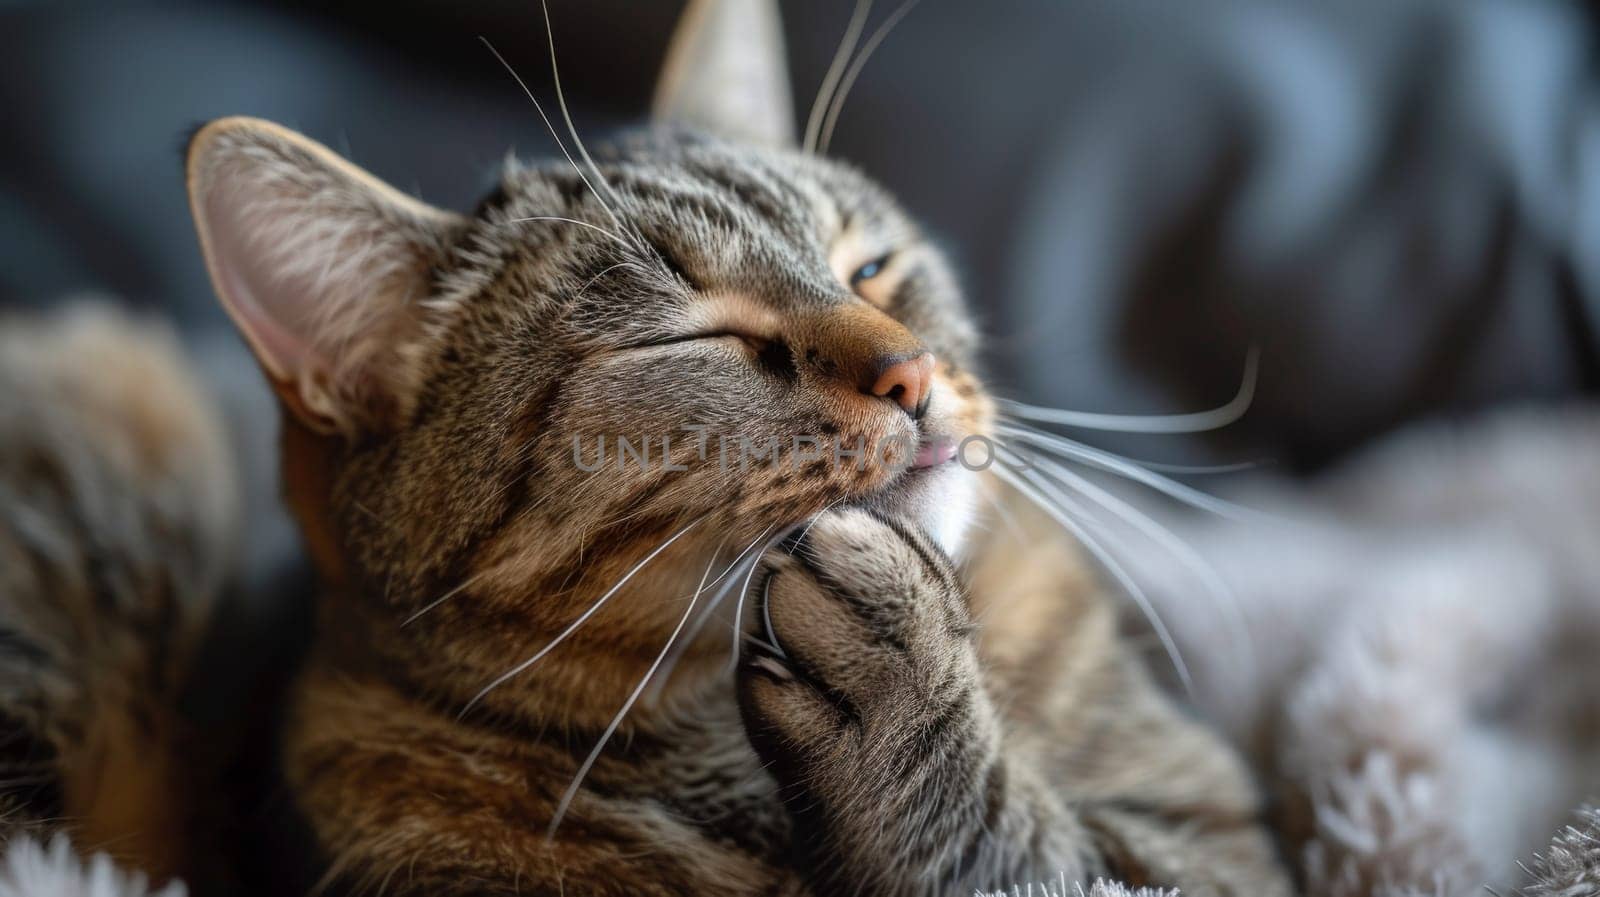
(536, 674)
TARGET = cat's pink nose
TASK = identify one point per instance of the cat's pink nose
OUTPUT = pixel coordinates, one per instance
(906, 381)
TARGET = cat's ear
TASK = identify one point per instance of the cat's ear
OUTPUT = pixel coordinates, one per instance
(322, 267)
(726, 73)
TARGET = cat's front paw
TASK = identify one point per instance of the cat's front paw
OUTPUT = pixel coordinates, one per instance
(862, 634)
(860, 687)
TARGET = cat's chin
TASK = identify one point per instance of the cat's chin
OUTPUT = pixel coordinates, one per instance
(940, 499)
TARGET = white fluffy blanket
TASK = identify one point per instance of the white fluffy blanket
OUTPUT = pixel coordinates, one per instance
(30, 869)
(1409, 650)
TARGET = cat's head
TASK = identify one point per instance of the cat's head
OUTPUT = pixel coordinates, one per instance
(709, 287)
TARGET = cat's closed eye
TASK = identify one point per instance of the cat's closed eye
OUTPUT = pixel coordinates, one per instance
(755, 343)
(771, 354)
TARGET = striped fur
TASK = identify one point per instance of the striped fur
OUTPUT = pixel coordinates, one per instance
(116, 521)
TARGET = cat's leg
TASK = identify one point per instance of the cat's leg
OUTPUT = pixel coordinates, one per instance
(903, 775)
(1167, 800)
(872, 712)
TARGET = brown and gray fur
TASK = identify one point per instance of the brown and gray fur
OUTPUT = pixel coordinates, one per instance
(117, 514)
(914, 711)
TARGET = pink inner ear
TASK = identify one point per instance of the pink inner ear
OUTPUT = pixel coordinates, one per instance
(271, 309)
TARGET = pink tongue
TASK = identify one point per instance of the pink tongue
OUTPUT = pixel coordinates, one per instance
(934, 451)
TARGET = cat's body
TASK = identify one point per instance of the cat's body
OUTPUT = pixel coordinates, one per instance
(117, 515)
(858, 714)
(1100, 776)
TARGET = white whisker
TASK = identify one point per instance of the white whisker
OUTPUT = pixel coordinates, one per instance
(551, 126)
(467, 583)
(744, 593)
(815, 517)
(591, 281)
(1196, 422)
(830, 81)
(1161, 466)
(837, 105)
(1227, 602)
(593, 227)
(583, 618)
(1077, 451)
(736, 569)
(1008, 519)
(1197, 469)
(706, 613)
(741, 555)
(1056, 504)
(589, 761)
(561, 100)
(766, 619)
